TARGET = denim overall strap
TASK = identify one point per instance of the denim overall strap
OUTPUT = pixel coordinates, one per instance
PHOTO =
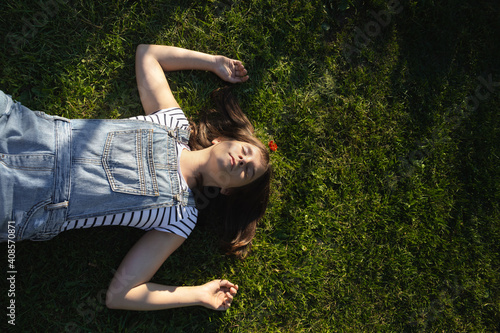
(181, 135)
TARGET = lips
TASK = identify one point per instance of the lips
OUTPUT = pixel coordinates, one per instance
(233, 162)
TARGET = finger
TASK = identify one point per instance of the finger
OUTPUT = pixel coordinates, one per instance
(237, 79)
(240, 68)
(226, 283)
(233, 291)
(225, 305)
(238, 63)
(241, 72)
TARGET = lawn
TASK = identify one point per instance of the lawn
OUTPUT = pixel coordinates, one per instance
(385, 208)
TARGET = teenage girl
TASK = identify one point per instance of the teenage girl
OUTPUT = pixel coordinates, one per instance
(58, 174)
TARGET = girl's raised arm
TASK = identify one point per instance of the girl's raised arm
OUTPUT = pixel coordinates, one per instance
(153, 60)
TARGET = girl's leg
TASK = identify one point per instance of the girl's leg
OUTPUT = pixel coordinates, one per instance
(27, 159)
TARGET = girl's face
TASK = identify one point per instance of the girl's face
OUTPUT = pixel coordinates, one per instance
(235, 163)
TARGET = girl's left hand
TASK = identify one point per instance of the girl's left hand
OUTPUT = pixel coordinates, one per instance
(230, 70)
(218, 294)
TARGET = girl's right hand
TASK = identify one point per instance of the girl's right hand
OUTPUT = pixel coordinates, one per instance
(230, 70)
(218, 294)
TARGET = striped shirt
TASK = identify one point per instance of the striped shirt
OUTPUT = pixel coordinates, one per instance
(177, 220)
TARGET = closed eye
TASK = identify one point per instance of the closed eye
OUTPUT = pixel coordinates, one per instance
(245, 150)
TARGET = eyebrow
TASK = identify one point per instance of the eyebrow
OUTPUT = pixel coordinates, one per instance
(248, 150)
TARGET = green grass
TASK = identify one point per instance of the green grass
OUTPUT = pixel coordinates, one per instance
(385, 211)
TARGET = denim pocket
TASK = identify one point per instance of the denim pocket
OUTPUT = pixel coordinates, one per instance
(128, 162)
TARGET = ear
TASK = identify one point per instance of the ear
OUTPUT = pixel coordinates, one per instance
(226, 191)
(218, 140)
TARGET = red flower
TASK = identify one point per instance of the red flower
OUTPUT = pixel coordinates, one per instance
(272, 145)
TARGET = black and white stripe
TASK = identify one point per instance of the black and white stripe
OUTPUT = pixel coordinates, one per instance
(178, 220)
(173, 118)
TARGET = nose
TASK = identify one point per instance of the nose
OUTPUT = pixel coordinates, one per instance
(242, 160)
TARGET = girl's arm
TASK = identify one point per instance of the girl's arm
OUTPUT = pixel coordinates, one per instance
(153, 60)
(130, 288)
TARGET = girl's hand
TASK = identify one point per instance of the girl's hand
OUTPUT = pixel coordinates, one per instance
(230, 70)
(218, 294)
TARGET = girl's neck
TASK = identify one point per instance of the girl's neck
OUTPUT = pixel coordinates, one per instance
(189, 165)
(192, 165)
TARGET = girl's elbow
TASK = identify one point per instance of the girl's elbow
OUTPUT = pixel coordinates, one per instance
(110, 304)
(113, 300)
(141, 49)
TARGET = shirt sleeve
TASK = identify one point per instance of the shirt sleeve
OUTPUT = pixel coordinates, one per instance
(181, 221)
(172, 117)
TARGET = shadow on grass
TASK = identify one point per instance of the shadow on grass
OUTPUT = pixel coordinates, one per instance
(64, 281)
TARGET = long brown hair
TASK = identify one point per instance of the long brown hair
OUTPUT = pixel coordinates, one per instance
(240, 211)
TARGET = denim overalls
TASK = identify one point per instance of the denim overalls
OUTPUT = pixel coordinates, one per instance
(53, 170)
